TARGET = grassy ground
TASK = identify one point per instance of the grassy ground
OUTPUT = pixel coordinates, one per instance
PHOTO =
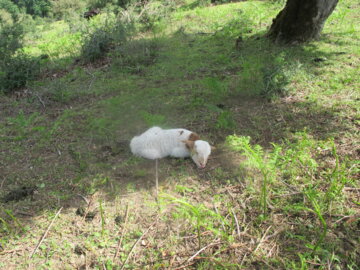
(281, 190)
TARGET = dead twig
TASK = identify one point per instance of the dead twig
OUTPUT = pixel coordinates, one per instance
(134, 245)
(92, 80)
(46, 232)
(24, 213)
(262, 239)
(202, 249)
(11, 251)
(122, 232)
(275, 234)
(222, 223)
(185, 266)
(171, 261)
(39, 98)
(2, 182)
(237, 223)
(242, 260)
(287, 194)
(348, 218)
(88, 207)
(84, 198)
(351, 189)
(86, 265)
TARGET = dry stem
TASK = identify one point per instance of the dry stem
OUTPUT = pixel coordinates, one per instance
(44, 235)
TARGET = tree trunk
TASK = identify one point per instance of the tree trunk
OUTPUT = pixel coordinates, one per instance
(301, 20)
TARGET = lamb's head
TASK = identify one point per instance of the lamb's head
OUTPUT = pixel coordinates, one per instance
(199, 151)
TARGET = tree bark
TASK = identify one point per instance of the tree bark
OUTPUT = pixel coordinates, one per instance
(301, 20)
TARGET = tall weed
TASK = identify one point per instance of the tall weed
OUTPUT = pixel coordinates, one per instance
(310, 167)
(257, 159)
(199, 216)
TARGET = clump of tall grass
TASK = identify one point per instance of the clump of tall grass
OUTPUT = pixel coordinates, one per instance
(303, 166)
(199, 216)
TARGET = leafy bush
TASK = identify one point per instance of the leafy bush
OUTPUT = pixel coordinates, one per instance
(276, 77)
(67, 8)
(154, 11)
(96, 45)
(8, 11)
(35, 7)
(10, 40)
(98, 42)
(105, 3)
(16, 71)
(16, 68)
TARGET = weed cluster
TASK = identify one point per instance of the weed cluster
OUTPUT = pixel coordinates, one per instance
(305, 168)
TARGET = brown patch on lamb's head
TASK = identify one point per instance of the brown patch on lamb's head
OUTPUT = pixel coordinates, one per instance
(189, 144)
(193, 137)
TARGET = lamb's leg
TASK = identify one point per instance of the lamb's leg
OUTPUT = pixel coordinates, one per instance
(150, 153)
(156, 179)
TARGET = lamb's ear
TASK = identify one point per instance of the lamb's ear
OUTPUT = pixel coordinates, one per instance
(193, 137)
(189, 144)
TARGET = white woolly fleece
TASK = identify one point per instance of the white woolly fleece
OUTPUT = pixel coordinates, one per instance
(158, 143)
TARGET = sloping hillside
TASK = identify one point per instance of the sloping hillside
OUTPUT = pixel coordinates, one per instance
(281, 190)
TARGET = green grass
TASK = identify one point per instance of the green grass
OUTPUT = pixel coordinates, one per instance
(279, 192)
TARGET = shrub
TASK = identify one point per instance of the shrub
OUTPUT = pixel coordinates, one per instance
(17, 70)
(98, 42)
(8, 8)
(35, 7)
(10, 40)
(96, 45)
(66, 8)
(154, 11)
(276, 78)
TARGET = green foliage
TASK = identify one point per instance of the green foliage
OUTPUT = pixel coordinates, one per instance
(276, 77)
(225, 121)
(67, 8)
(299, 163)
(100, 3)
(153, 119)
(16, 68)
(154, 11)
(200, 216)
(313, 197)
(256, 158)
(23, 124)
(59, 91)
(136, 54)
(97, 43)
(35, 7)
(10, 40)
(217, 89)
(17, 71)
(9, 12)
(83, 166)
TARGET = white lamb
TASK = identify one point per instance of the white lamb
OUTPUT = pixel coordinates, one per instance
(156, 143)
